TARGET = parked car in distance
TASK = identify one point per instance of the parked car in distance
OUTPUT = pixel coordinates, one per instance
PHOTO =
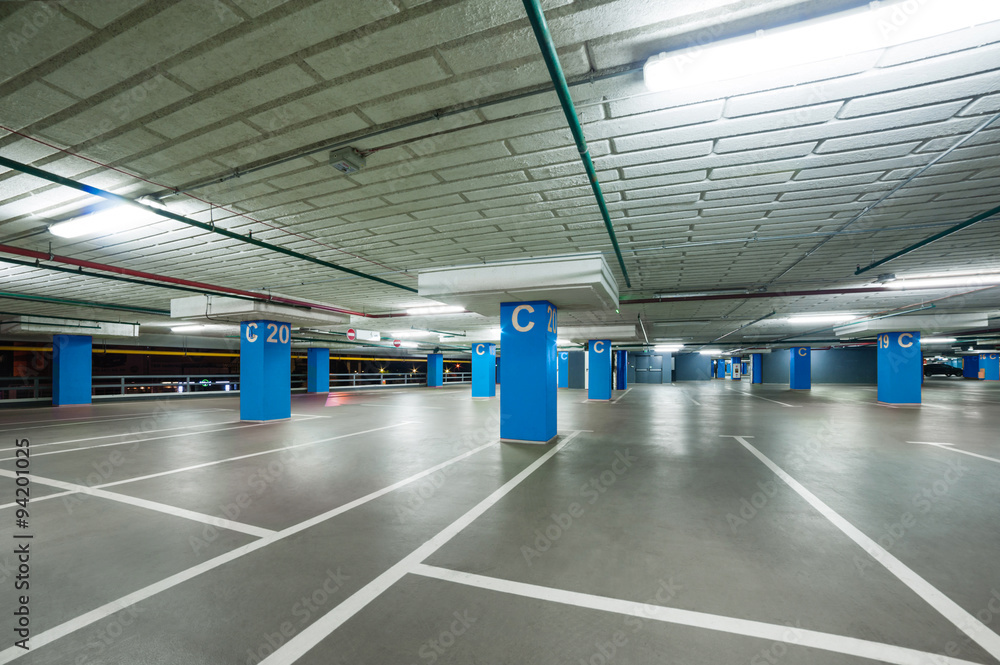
(940, 369)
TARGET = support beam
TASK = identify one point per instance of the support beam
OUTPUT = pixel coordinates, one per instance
(528, 393)
(900, 368)
(72, 373)
(265, 371)
(318, 370)
(800, 368)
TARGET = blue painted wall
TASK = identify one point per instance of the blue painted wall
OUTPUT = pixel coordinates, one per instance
(694, 367)
(829, 366)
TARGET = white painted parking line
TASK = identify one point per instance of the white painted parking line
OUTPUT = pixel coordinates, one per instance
(215, 462)
(90, 420)
(135, 441)
(121, 434)
(951, 447)
(774, 401)
(316, 632)
(617, 399)
(948, 608)
(108, 609)
(36, 499)
(149, 505)
(397, 406)
(852, 646)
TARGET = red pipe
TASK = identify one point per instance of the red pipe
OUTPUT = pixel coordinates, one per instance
(29, 253)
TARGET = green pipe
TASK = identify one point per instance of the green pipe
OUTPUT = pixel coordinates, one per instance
(541, 29)
(934, 238)
(373, 344)
(53, 325)
(83, 303)
(211, 228)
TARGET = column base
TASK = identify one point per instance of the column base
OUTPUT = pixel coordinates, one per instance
(275, 420)
(899, 403)
(537, 443)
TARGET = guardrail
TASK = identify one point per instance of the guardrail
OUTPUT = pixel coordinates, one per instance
(40, 388)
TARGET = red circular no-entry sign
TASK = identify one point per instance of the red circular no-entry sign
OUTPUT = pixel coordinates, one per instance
(396, 343)
(351, 334)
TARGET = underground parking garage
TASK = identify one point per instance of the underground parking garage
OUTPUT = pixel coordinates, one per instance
(499, 331)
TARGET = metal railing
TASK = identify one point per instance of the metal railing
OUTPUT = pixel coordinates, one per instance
(40, 387)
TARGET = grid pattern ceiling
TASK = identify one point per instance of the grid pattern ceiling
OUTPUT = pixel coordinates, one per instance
(717, 186)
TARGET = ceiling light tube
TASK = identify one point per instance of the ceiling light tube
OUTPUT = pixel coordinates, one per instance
(870, 28)
(821, 318)
(938, 340)
(966, 281)
(108, 221)
(437, 309)
(187, 328)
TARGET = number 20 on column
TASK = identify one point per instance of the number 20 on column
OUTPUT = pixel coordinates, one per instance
(276, 333)
(552, 320)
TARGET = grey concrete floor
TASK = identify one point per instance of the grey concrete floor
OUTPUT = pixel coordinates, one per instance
(393, 527)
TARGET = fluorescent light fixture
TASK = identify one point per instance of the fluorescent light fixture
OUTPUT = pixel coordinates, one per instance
(710, 352)
(437, 309)
(563, 342)
(408, 345)
(871, 28)
(965, 281)
(821, 318)
(938, 340)
(668, 347)
(111, 220)
(187, 328)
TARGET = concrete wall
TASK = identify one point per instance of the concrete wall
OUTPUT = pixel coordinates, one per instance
(694, 367)
(828, 366)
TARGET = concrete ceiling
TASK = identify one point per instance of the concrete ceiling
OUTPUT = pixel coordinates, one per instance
(721, 186)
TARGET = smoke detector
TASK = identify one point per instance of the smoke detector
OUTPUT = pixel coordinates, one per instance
(347, 160)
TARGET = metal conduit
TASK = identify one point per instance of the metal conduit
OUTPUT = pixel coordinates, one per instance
(211, 228)
(541, 30)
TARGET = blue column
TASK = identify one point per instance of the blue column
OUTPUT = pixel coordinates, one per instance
(900, 368)
(621, 370)
(435, 370)
(563, 372)
(989, 366)
(318, 370)
(721, 370)
(599, 379)
(800, 368)
(528, 396)
(756, 368)
(970, 367)
(484, 370)
(71, 369)
(265, 370)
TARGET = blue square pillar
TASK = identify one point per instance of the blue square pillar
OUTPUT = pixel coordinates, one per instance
(563, 372)
(318, 370)
(970, 367)
(900, 368)
(720, 372)
(528, 397)
(736, 373)
(989, 366)
(800, 368)
(265, 370)
(599, 360)
(435, 370)
(756, 368)
(71, 369)
(621, 370)
(484, 370)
